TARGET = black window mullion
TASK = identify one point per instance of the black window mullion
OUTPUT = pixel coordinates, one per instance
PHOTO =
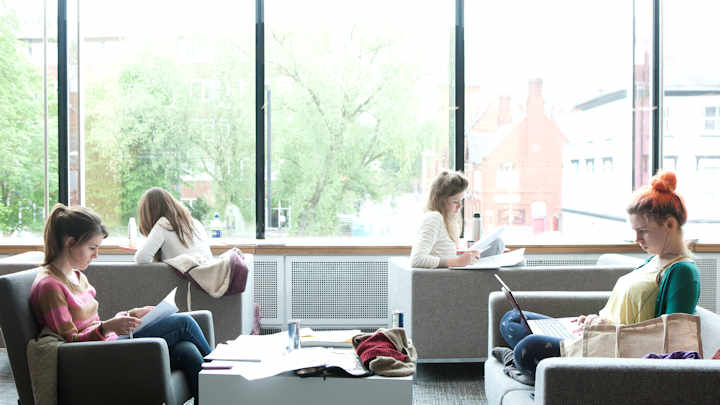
(63, 144)
(460, 94)
(259, 120)
(459, 85)
(656, 89)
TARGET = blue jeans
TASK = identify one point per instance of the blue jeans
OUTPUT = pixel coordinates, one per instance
(186, 343)
(529, 349)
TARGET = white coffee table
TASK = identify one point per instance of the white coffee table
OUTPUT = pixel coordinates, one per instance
(222, 387)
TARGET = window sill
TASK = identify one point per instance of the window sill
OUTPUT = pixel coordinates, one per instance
(334, 246)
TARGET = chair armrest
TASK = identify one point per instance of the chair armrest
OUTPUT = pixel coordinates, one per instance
(204, 319)
(626, 381)
(121, 371)
(551, 303)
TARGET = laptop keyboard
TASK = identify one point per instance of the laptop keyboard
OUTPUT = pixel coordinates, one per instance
(552, 327)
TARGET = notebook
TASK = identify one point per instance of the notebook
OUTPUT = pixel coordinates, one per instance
(563, 328)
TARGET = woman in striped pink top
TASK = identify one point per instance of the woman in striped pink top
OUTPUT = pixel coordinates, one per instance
(64, 301)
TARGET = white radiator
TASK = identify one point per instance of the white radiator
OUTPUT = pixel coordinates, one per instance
(322, 292)
(708, 265)
(269, 289)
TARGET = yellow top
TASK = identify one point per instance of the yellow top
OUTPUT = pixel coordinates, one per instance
(634, 296)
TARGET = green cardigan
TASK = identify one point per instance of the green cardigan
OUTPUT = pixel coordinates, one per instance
(679, 289)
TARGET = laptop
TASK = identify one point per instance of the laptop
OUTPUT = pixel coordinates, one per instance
(563, 328)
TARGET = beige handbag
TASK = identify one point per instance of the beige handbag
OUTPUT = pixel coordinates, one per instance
(665, 334)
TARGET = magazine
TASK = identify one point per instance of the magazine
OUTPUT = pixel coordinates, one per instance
(165, 308)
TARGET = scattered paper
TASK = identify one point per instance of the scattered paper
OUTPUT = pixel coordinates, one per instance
(302, 358)
(250, 348)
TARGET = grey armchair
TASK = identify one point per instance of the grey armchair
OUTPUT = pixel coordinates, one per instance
(119, 372)
(566, 380)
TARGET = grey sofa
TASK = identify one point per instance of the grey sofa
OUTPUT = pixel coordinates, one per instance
(124, 285)
(119, 372)
(601, 380)
(446, 311)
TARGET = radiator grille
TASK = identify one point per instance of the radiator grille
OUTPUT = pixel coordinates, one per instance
(327, 288)
(708, 282)
(559, 260)
(266, 288)
(269, 330)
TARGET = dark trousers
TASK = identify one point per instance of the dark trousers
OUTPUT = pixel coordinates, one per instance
(186, 343)
(528, 348)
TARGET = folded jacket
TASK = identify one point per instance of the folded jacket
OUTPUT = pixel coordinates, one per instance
(387, 352)
(377, 345)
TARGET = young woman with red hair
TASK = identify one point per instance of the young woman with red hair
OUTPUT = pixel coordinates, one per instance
(668, 282)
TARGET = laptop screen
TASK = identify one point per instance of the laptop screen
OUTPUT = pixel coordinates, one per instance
(511, 299)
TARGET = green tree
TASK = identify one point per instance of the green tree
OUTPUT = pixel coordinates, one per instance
(138, 136)
(21, 133)
(222, 129)
(345, 128)
(159, 120)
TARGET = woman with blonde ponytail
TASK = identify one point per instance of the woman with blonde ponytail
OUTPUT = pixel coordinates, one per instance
(436, 243)
(63, 300)
(668, 282)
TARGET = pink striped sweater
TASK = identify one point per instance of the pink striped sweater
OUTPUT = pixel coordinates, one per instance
(68, 310)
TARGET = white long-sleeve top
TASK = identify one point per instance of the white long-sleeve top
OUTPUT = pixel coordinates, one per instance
(433, 246)
(163, 238)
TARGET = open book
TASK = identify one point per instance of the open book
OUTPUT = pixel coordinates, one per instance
(307, 361)
(165, 308)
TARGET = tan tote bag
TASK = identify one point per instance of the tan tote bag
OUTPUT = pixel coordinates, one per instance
(665, 334)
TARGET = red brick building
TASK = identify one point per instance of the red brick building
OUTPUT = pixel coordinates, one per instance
(514, 163)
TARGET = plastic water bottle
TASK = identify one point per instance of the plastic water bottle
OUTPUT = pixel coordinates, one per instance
(216, 226)
(132, 232)
(476, 226)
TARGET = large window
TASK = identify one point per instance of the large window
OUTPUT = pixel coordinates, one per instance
(357, 97)
(168, 100)
(691, 84)
(549, 117)
(23, 116)
(564, 112)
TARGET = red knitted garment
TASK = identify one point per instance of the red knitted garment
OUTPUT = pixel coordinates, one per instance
(378, 345)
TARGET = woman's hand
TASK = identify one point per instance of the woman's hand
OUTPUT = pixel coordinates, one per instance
(140, 312)
(465, 259)
(584, 321)
(121, 325)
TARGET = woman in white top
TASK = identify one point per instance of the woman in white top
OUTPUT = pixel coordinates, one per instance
(169, 228)
(436, 243)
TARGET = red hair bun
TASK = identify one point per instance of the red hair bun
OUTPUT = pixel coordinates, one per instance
(664, 182)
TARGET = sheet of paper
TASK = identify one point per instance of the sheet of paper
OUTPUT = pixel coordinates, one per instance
(165, 308)
(293, 360)
(298, 359)
(510, 258)
(251, 348)
(347, 360)
(487, 240)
